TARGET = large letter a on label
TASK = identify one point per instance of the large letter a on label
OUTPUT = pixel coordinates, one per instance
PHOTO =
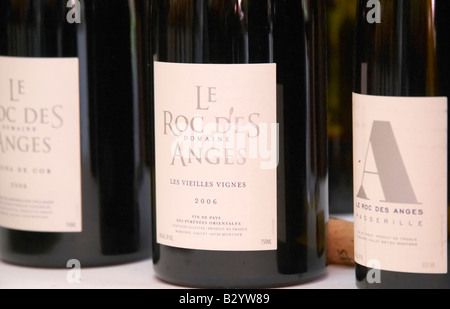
(391, 169)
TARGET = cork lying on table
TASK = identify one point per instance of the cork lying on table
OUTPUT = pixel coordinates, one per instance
(340, 242)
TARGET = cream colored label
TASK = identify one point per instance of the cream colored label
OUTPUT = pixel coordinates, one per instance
(40, 180)
(216, 156)
(400, 185)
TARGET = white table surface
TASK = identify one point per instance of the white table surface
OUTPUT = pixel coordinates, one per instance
(138, 275)
(133, 276)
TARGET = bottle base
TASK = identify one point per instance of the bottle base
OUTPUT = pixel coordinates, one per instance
(280, 281)
(46, 262)
(380, 279)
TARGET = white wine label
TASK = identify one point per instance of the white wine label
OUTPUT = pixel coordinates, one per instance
(40, 180)
(216, 140)
(400, 183)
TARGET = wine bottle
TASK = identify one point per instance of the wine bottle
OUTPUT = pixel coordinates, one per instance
(341, 24)
(74, 179)
(240, 133)
(400, 104)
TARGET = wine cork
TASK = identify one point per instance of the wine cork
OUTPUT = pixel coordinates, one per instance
(340, 242)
